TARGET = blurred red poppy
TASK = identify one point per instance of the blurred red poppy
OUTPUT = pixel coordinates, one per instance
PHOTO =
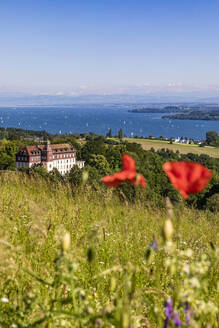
(128, 172)
(187, 177)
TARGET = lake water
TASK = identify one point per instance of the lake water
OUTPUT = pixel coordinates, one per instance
(98, 119)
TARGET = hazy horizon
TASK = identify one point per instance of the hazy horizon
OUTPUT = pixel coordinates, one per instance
(108, 47)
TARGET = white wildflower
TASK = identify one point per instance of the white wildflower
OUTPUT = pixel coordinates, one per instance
(4, 300)
(195, 282)
(186, 268)
(189, 252)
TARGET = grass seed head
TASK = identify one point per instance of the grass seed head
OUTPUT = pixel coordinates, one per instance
(168, 230)
(66, 242)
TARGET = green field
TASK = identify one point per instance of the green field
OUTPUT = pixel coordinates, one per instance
(110, 275)
(182, 148)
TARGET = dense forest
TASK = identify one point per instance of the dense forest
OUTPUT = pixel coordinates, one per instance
(179, 109)
(102, 156)
(166, 109)
(195, 115)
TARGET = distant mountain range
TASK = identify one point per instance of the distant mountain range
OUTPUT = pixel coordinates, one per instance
(21, 99)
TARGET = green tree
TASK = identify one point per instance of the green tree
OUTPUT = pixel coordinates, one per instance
(120, 134)
(212, 138)
(100, 163)
(39, 170)
(8, 151)
(94, 146)
(75, 176)
(55, 175)
(109, 134)
(212, 203)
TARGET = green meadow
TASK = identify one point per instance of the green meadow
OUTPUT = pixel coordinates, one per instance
(147, 144)
(84, 257)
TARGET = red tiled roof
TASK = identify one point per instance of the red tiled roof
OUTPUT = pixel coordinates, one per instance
(59, 146)
(30, 150)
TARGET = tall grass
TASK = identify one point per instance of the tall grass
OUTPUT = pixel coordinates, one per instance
(118, 270)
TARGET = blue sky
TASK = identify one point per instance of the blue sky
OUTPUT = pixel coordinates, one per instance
(107, 46)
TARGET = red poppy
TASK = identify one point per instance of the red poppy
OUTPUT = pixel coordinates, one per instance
(187, 177)
(128, 172)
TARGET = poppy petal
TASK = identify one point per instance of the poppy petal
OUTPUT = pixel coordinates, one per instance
(110, 182)
(128, 173)
(116, 179)
(142, 181)
(187, 177)
(139, 180)
(128, 163)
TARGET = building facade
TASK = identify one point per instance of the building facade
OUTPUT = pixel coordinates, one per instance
(59, 156)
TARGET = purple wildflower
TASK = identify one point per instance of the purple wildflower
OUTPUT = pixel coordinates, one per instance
(98, 323)
(168, 305)
(171, 315)
(187, 311)
(153, 245)
(176, 319)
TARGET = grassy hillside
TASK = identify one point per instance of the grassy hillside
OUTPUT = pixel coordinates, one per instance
(118, 271)
(147, 144)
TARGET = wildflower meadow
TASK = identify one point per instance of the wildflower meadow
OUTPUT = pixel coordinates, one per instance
(85, 257)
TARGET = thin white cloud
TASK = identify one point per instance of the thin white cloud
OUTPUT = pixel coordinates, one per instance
(60, 93)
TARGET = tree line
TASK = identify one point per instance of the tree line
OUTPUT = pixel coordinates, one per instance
(102, 156)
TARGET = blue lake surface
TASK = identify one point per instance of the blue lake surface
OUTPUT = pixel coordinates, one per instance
(98, 119)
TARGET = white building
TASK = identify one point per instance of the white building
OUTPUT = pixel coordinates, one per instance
(59, 156)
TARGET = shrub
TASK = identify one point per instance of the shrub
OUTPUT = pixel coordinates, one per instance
(212, 203)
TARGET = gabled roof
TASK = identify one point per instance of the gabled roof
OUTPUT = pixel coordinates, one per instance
(66, 146)
(33, 150)
(36, 150)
